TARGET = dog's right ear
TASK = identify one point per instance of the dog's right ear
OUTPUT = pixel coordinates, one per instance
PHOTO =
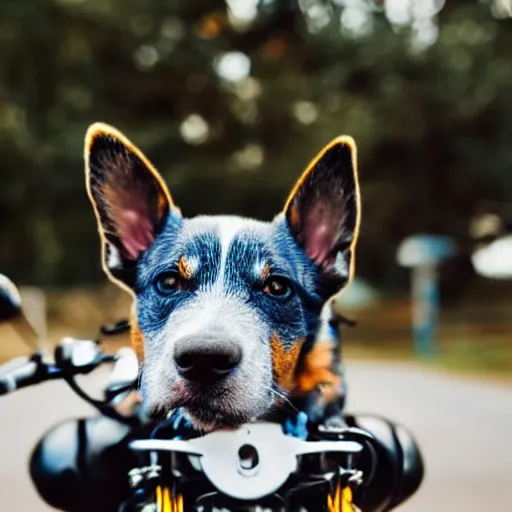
(129, 197)
(323, 213)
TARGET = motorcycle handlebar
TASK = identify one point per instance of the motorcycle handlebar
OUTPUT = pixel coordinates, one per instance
(72, 357)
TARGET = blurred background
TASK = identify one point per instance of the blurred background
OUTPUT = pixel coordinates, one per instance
(230, 99)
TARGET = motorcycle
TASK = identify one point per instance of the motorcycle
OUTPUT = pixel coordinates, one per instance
(118, 461)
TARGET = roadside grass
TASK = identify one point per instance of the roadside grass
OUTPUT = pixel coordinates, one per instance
(474, 337)
(478, 359)
(488, 362)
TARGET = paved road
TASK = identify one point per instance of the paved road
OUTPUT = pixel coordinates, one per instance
(464, 428)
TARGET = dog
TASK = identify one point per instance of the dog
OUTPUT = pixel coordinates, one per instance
(229, 314)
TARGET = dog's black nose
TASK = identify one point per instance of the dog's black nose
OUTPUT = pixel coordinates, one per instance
(206, 362)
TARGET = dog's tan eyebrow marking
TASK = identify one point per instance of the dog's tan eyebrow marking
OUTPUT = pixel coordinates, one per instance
(262, 269)
(185, 268)
(265, 272)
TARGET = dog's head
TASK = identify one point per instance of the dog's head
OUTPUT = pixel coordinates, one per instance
(222, 304)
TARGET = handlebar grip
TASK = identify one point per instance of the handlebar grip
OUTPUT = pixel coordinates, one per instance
(12, 365)
(25, 374)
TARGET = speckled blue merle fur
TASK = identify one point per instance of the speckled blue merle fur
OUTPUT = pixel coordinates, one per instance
(228, 288)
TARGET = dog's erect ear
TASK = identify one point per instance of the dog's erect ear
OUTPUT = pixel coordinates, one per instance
(323, 211)
(130, 199)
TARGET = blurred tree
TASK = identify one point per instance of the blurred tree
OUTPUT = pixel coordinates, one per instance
(231, 99)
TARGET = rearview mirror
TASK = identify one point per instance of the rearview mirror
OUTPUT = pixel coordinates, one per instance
(10, 300)
(16, 334)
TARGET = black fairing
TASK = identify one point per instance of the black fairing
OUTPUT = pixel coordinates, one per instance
(83, 465)
(400, 466)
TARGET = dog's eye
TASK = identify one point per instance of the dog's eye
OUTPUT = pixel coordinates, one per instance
(167, 282)
(277, 287)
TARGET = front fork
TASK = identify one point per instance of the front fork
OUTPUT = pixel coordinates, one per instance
(342, 500)
(163, 498)
(167, 501)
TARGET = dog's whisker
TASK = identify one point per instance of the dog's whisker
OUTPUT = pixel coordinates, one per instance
(284, 398)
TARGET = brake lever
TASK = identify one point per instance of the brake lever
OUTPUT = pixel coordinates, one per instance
(103, 406)
(80, 357)
(342, 432)
(117, 328)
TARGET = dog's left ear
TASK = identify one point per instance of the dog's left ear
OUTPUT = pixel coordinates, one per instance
(323, 211)
(129, 197)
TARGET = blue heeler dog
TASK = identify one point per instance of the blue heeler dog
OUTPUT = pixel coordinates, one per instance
(230, 314)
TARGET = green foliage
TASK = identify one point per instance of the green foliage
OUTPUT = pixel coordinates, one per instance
(433, 125)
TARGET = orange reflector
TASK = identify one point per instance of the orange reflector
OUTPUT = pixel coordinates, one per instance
(341, 501)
